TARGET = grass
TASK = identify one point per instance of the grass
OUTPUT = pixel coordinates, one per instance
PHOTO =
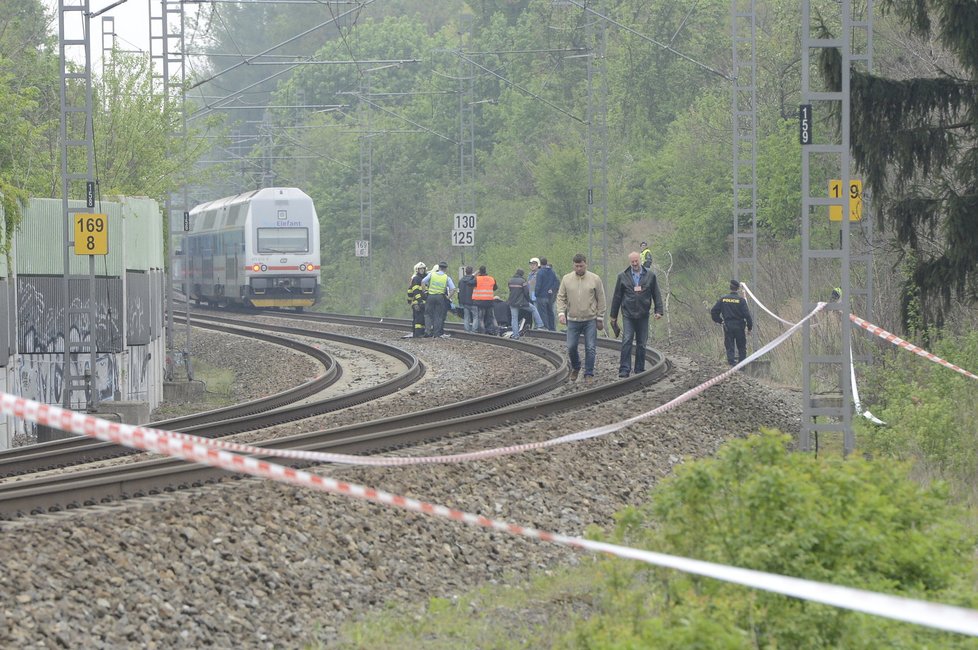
(528, 614)
(218, 392)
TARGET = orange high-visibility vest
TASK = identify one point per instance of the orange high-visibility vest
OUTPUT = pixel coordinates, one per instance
(483, 287)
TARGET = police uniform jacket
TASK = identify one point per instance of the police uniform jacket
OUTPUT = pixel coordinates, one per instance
(636, 304)
(732, 311)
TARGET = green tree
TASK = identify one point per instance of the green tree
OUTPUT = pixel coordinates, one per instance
(859, 523)
(29, 96)
(134, 144)
(915, 141)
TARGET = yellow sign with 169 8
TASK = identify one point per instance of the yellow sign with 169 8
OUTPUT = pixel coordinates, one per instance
(91, 234)
(855, 200)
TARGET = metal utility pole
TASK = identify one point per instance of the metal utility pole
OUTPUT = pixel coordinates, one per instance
(77, 135)
(173, 46)
(366, 187)
(108, 43)
(826, 385)
(267, 143)
(597, 137)
(743, 20)
(861, 278)
(466, 134)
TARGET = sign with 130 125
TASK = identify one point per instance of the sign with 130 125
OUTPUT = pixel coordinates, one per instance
(91, 234)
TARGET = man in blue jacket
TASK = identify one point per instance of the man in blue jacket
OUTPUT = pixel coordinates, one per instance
(636, 289)
(546, 293)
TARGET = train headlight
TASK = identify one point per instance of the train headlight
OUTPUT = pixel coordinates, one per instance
(263, 268)
(256, 268)
(302, 267)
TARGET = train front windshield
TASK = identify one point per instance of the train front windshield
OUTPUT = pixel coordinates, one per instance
(283, 240)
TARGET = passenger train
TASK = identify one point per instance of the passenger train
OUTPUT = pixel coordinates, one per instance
(257, 249)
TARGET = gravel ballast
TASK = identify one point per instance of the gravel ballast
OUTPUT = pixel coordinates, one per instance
(250, 563)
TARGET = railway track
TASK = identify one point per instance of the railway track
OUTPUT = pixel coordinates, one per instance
(106, 484)
(275, 409)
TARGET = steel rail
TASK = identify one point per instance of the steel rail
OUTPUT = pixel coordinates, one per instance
(154, 476)
(264, 412)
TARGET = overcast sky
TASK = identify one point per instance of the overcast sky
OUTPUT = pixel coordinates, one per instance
(131, 25)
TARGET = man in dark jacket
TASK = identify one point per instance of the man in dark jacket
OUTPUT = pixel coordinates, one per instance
(416, 296)
(519, 299)
(636, 289)
(731, 311)
(546, 293)
(470, 311)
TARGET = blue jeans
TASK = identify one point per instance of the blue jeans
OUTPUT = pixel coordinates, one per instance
(589, 328)
(537, 321)
(470, 315)
(637, 328)
(514, 321)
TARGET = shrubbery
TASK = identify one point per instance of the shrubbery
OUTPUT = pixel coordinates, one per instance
(853, 522)
(929, 411)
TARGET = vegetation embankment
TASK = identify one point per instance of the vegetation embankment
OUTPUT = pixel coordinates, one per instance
(855, 522)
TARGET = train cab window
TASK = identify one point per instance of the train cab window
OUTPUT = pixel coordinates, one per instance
(283, 240)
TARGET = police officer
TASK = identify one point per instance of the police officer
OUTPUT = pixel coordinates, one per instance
(416, 296)
(731, 311)
(440, 290)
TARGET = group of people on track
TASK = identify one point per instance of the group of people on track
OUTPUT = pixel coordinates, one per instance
(577, 300)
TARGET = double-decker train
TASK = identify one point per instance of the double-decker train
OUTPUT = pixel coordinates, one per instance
(257, 249)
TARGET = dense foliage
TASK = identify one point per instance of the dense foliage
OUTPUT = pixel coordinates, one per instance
(853, 522)
(916, 139)
(929, 412)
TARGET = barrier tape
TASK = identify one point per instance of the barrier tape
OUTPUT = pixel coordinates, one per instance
(852, 369)
(400, 461)
(855, 394)
(761, 305)
(906, 345)
(935, 615)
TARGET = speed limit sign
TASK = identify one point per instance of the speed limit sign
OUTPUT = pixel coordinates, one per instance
(463, 229)
(362, 248)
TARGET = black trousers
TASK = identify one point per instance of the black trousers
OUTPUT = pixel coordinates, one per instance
(734, 335)
(417, 312)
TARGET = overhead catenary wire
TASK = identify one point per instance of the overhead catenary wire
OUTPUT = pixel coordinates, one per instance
(333, 19)
(669, 48)
(521, 88)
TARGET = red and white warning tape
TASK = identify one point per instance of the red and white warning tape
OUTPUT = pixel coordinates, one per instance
(852, 368)
(906, 345)
(761, 305)
(389, 461)
(935, 615)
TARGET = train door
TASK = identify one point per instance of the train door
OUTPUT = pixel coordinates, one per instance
(232, 263)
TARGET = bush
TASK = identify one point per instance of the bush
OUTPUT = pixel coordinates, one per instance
(852, 522)
(929, 411)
